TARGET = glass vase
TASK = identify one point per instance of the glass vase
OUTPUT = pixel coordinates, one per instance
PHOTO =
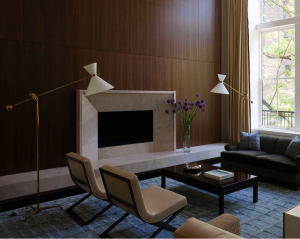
(186, 138)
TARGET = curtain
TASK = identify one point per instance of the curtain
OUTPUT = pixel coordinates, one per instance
(238, 68)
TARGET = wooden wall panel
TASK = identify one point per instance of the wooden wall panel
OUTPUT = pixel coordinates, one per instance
(14, 20)
(2, 19)
(210, 31)
(90, 24)
(138, 45)
(167, 28)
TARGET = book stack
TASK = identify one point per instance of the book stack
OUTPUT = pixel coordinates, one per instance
(218, 174)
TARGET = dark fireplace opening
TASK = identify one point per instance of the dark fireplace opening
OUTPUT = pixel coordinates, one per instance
(124, 127)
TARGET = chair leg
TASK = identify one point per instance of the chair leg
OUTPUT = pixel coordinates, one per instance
(104, 234)
(77, 218)
(165, 225)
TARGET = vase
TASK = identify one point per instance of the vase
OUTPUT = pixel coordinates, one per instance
(186, 138)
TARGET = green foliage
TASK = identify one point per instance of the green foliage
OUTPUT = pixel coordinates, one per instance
(278, 62)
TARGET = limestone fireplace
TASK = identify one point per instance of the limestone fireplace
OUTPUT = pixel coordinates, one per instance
(164, 126)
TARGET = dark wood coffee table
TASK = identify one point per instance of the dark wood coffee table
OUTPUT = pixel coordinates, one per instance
(220, 188)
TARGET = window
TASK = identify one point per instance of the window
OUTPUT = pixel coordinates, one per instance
(278, 9)
(278, 78)
(278, 81)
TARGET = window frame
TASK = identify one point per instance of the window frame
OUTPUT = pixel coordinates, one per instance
(277, 25)
(262, 79)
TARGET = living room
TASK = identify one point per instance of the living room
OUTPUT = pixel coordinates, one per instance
(136, 110)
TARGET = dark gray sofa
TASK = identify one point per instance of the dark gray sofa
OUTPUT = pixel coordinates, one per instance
(270, 162)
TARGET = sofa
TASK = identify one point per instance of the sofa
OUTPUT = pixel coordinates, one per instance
(223, 226)
(269, 162)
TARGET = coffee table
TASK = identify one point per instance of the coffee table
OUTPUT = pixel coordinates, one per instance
(220, 188)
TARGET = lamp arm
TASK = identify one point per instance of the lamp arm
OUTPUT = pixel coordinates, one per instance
(233, 88)
(9, 107)
(245, 96)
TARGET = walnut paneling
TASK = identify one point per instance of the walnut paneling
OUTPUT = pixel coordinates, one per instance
(209, 31)
(2, 19)
(190, 78)
(167, 28)
(138, 45)
(90, 24)
(14, 20)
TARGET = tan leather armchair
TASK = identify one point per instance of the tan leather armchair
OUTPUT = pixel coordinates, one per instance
(224, 226)
(83, 176)
(152, 205)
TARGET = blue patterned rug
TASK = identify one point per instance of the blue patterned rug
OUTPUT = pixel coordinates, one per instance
(263, 219)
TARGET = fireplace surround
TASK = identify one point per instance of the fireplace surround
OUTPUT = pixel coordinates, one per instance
(164, 126)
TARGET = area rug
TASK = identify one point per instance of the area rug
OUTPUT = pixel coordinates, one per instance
(263, 219)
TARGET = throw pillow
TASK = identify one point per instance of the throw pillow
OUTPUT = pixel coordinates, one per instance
(293, 150)
(250, 141)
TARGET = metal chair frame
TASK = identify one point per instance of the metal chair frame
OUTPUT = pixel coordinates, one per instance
(161, 225)
(70, 211)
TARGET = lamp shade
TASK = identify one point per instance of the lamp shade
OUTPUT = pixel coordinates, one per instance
(96, 85)
(220, 87)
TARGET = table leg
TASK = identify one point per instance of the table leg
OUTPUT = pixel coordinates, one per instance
(255, 192)
(221, 204)
(163, 181)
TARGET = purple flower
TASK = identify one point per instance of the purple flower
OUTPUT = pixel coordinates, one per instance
(202, 101)
(203, 104)
(200, 106)
(179, 102)
(176, 105)
(185, 108)
(198, 102)
(169, 101)
(174, 111)
(173, 101)
(186, 103)
(186, 99)
(167, 111)
(197, 95)
(203, 110)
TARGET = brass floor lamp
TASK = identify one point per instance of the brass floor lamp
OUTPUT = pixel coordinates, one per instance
(221, 89)
(96, 85)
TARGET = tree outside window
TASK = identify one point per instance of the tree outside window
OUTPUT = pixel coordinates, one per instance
(278, 67)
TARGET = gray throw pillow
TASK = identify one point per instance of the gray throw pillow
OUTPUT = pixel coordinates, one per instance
(293, 150)
(250, 141)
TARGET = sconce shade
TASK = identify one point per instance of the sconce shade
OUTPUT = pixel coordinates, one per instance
(220, 87)
(96, 85)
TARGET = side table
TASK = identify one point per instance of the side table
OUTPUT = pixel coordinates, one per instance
(291, 222)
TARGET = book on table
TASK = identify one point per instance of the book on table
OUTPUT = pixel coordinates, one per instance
(218, 174)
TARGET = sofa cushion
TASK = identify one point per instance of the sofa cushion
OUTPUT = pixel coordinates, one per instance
(268, 144)
(281, 146)
(250, 141)
(277, 162)
(242, 156)
(293, 150)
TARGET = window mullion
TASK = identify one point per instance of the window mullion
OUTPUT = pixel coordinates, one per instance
(278, 52)
(297, 77)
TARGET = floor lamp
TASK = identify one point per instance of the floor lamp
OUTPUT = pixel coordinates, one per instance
(221, 89)
(96, 85)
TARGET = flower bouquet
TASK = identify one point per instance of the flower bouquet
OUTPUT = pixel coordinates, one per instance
(186, 113)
